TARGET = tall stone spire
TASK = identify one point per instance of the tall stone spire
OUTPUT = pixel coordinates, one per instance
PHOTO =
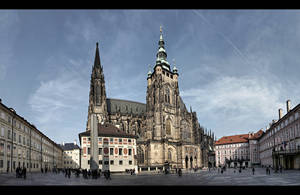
(97, 57)
(97, 96)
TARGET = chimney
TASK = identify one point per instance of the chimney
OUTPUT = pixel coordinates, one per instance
(280, 112)
(75, 142)
(288, 105)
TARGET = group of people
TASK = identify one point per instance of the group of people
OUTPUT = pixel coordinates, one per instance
(21, 172)
(44, 171)
(87, 174)
(67, 173)
(131, 171)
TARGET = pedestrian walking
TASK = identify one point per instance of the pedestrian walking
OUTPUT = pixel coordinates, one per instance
(253, 170)
(17, 172)
(179, 172)
(280, 168)
(69, 173)
(108, 174)
(42, 171)
(24, 172)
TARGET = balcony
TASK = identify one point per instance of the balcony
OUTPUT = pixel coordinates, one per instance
(287, 152)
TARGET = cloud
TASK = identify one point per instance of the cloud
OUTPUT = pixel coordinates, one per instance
(229, 102)
(8, 32)
(59, 105)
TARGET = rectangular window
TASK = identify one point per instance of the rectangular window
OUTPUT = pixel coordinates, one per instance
(120, 151)
(100, 162)
(15, 136)
(120, 140)
(111, 151)
(89, 150)
(111, 139)
(129, 152)
(129, 140)
(130, 162)
(20, 139)
(8, 134)
(100, 139)
(1, 149)
(2, 131)
(100, 151)
(120, 162)
(88, 162)
(106, 162)
(111, 162)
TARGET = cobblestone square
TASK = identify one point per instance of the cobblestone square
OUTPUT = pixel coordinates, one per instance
(199, 178)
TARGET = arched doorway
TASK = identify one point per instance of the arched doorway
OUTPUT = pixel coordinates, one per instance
(186, 162)
(191, 162)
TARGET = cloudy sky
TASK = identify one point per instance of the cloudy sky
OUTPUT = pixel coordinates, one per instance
(236, 67)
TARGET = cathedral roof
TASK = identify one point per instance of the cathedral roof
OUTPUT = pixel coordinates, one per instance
(125, 107)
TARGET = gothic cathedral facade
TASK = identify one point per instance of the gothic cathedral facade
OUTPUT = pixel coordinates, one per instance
(168, 134)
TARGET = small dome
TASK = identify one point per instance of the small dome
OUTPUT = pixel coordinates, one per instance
(161, 49)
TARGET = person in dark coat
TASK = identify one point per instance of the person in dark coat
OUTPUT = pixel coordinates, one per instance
(17, 172)
(179, 172)
(24, 172)
(108, 174)
(280, 168)
(69, 173)
(253, 170)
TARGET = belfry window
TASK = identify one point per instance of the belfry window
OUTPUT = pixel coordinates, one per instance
(168, 127)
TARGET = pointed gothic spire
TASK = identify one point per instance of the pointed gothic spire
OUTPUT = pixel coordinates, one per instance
(161, 56)
(97, 62)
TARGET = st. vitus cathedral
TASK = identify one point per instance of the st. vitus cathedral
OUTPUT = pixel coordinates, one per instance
(167, 133)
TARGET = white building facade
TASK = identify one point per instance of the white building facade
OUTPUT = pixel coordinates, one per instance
(117, 150)
(72, 155)
(238, 150)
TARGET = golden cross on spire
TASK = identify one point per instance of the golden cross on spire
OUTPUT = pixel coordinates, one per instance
(160, 29)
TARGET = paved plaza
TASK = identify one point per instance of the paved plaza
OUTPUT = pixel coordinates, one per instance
(202, 177)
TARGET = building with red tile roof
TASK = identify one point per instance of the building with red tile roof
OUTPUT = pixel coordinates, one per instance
(238, 150)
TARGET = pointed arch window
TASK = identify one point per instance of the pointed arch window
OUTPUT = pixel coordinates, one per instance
(168, 127)
(170, 154)
(98, 94)
(167, 95)
(141, 156)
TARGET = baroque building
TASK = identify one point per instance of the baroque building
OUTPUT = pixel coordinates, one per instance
(168, 135)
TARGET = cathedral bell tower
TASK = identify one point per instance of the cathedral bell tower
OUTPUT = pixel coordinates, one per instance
(162, 97)
(97, 96)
